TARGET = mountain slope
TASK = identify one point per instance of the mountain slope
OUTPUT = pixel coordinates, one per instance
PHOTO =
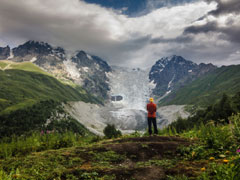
(31, 100)
(172, 73)
(18, 86)
(79, 68)
(209, 88)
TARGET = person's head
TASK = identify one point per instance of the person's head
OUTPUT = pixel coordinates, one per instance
(151, 99)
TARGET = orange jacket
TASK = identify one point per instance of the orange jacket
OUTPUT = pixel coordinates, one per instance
(151, 108)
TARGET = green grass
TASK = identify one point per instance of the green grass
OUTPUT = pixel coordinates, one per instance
(21, 88)
(28, 66)
(28, 95)
(3, 64)
(208, 89)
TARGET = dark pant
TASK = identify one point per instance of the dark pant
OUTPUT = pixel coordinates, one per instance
(150, 121)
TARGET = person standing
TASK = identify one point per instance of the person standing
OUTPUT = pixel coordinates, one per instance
(152, 108)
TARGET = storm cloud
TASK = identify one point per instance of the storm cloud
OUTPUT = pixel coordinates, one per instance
(119, 39)
(225, 7)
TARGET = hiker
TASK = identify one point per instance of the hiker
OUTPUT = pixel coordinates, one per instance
(152, 108)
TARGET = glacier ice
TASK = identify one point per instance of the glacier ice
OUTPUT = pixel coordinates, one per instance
(134, 87)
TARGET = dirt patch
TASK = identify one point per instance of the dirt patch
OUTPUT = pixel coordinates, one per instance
(150, 139)
(144, 148)
(141, 158)
(147, 173)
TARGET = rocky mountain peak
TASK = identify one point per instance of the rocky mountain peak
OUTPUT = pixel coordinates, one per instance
(171, 73)
(32, 47)
(4, 52)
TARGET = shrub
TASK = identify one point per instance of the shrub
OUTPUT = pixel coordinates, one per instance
(218, 171)
(235, 122)
(110, 131)
(216, 137)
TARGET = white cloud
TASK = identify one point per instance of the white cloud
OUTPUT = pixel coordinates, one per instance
(121, 40)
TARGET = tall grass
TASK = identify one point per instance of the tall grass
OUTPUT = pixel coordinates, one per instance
(40, 141)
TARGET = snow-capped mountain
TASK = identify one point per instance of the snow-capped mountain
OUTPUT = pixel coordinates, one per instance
(81, 68)
(171, 73)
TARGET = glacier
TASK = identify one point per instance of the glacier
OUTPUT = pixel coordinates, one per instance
(130, 90)
(131, 86)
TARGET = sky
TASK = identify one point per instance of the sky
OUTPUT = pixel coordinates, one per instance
(132, 33)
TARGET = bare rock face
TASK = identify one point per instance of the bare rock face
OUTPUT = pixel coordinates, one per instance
(93, 72)
(171, 73)
(83, 69)
(4, 52)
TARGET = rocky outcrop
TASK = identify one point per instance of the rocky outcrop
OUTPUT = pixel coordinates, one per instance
(93, 72)
(4, 52)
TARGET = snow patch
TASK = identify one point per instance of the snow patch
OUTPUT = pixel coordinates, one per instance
(85, 69)
(108, 74)
(11, 55)
(71, 68)
(33, 59)
(89, 57)
(170, 82)
(168, 91)
(152, 85)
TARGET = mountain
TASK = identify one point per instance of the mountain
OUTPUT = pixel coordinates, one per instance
(28, 95)
(172, 73)
(88, 71)
(4, 52)
(209, 88)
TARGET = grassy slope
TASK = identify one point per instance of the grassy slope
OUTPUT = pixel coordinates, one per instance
(23, 84)
(130, 158)
(208, 89)
(122, 159)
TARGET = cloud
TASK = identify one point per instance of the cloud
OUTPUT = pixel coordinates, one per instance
(224, 20)
(121, 40)
(180, 39)
(225, 7)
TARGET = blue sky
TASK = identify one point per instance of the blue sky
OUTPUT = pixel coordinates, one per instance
(135, 8)
(133, 33)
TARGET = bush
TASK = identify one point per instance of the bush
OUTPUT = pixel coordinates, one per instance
(235, 122)
(218, 171)
(110, 131)
(216, 137)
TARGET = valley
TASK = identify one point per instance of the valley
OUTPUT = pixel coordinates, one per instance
(55, 107)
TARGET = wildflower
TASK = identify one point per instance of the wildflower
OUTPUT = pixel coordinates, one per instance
(211, 158)
(225, 161)
(238, 151)
(15, 176)
(193, 154)
(227, 152)
(203, 169)
(48, 132)
(42, 132)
